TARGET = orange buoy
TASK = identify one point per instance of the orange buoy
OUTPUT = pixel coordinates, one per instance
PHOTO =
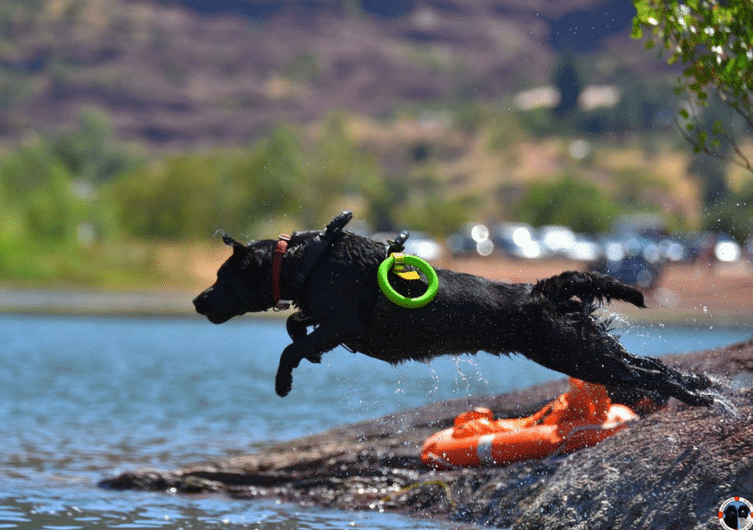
(580, 418)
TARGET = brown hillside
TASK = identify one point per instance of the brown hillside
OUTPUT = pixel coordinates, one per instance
(187, 73)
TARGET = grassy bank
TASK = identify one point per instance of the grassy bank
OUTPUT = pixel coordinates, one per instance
(111, 265)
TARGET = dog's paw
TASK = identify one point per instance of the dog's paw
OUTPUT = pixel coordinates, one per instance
(697, 398)
(704, 399)
(697, 382)
(283, 383)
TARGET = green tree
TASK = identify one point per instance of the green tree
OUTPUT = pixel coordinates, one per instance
(733, 215)
(172, 198)
(89, 151)
(568, 201)
(39, 190)
(713, 39)
(263, 182)
(336, 168)
(186, 196)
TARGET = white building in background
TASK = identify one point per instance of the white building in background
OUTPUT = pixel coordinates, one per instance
(547, 96)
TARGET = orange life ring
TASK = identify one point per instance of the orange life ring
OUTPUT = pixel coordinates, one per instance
(580, 418)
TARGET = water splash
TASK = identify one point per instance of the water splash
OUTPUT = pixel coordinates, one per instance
(470, 377)
(727, 395)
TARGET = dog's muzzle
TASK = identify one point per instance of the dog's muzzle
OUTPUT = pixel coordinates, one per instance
(204, 304)
(215, 318)
(201, 305)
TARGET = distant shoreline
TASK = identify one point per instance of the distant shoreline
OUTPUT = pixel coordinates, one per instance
(690, 295)
(51, 301)
(108, 303)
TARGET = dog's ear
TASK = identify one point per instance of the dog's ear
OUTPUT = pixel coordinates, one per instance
(237, 247)
(229, 241)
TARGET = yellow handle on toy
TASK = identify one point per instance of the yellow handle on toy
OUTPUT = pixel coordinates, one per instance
(395, 297)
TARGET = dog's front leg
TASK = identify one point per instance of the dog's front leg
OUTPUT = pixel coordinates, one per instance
(297, 323)
(324, 338)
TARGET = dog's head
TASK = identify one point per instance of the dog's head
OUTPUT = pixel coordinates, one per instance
(242, 285)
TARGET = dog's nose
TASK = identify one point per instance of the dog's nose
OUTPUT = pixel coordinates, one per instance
(200, 304)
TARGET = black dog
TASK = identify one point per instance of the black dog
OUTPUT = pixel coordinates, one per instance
(332, 278)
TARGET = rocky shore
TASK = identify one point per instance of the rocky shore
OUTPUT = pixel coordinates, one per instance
(671, 469)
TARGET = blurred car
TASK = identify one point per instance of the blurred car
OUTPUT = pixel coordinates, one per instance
(727, 250)
(631, 258)
(674, 250)
(471, 240)
(517, 239)
(584, 248)
(633, 270)
(556, 240)
(710, 246)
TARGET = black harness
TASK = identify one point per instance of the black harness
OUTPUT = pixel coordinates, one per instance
(312, 253)
(316, 248)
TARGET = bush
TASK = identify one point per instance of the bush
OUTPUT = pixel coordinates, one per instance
(570, 202)
(44, 195)
(189, 196)
(733, 215)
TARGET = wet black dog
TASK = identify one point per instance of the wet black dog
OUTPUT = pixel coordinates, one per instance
(337, 294)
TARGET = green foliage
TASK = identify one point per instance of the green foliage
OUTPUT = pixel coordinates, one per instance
(713, 39)
(51, 190)
(436, 214)
(191, 196)
(89, 151)
(567, 201)
(172, 198)
(541, 122)
(336, 168)
(40, 194)
(733, 215)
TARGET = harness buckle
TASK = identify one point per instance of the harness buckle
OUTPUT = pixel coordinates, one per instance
(401, 268)
(282, 305)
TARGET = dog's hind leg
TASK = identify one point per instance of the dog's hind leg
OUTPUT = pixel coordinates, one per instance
(585, 351)
(623, 369)
(323, 339)
(653, 374)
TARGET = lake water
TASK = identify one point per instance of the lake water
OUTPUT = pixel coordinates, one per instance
(82, 399)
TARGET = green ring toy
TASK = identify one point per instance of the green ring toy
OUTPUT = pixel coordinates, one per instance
(403, 301)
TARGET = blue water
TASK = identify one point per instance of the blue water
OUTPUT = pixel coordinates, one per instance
(82, 399)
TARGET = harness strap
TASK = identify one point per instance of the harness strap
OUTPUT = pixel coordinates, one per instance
(315, 249)
(311, 255)
(279, 253)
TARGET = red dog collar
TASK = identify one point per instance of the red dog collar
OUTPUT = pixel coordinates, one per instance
(280, 249)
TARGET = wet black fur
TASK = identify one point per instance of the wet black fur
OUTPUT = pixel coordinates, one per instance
(550, 322)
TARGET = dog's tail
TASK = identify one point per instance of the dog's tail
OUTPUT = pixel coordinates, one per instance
(589, 287)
